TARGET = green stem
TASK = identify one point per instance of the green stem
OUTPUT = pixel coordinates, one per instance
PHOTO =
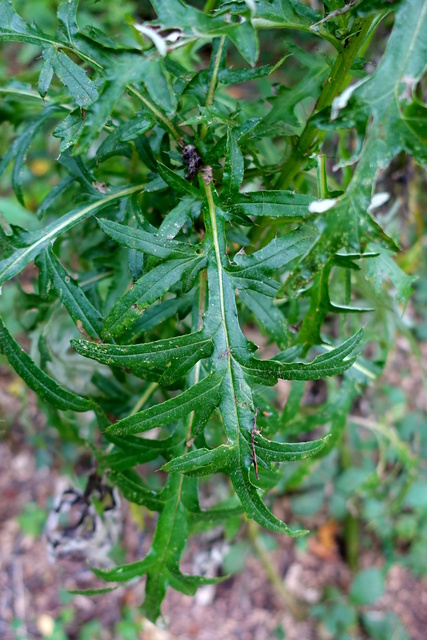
(209, 99)
(159, 115)
(97, 278)
(322, 178)
(291, 603)
(351, 525)
(210, 4)
(331, 89)
(212, 85)
(347, 298)
(351, 536)
(215, 238)
(202, 298)
(145, 396)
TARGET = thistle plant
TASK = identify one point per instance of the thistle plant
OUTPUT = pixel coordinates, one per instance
(173, 215)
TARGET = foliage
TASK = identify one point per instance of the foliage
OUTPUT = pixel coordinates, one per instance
(167, 225)
(32, 519)
(339, 617)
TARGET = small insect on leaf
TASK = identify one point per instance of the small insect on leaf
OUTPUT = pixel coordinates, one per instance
(192, 160)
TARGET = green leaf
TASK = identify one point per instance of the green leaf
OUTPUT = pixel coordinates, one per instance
(382, 269)
(45, 78)
(219, 513)
(91, 592)
(254, 506)
(77, 168)
(365, 7)
(267, 315)
(367, 586)
(53, 194)
(335, 413)
(183, 271)
(135, 491)
(161, 565)
(347, 219)
(148, 243)
(245, 38)
(177, 355)
(202, 461)
(18, 260)
(278, 253)
(38, 380)
(69, 130)
(130, 130)
(320, 306)
(133, 450)
(159, 86)
(126, 571)
(273, 204)
(72, 76)
(124, 460)
(66, 15)
(283, 116)
(13, 27)
(234, 166)
(148, 289)
(183, 214)
(236, 76)
(127, 69)
(331, 363)
(383, 625)
(286, 451)
(98, 115)
(32, 519)
(178, 184)
(176, 14)
(70, 294)
(414, 116)
(171, 410)
(230, 348)
(282, 12)
(18, 151)
(168, 545)
(189, 584)
(157, 314)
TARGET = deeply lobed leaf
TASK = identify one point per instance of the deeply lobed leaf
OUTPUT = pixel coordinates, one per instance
(199, 243)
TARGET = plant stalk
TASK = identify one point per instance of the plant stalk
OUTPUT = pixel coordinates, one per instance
(296, 608)
(145, 396)
(351, 525)
(212, 85)
(159, 115)
(209, 6)
(331, 89)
